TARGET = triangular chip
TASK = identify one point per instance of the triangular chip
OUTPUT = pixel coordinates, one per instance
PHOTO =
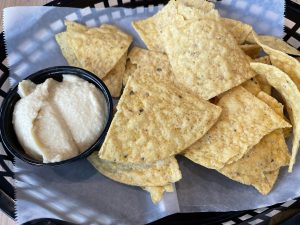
(149, 29)
(148, 62)
(99, 49)
(272, 102)
(277, 44)
(130, 69)
(238, 29)
(157, 192)
(74, 26)
(263, 83)
(192, 46)
(114, 79)
(155, 120)
(263, 182)
(149, 32)
(251, 50)
(63, 42)
(281, 60)
(277, 107)
(252, 86)
(287, 88)
(271, 178)
(260, 166)
(244, 121)
(250, 39)
(157, 174)
(269, 154)
(190, 10)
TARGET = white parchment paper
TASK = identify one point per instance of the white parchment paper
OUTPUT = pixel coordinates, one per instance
(77, 192)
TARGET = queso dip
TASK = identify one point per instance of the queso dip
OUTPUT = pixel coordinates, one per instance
(55, 121)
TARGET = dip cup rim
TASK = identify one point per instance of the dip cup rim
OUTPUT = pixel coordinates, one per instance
(53, 72)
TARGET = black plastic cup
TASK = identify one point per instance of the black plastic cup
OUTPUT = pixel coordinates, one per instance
(8, 135)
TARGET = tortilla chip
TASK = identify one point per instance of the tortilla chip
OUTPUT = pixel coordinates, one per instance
(238, 29)
(156, 193)
(263, 59)
(148, 33)
(169, 188)
(160, 120)
(100, 49)
(281, 157)
(196, 11)
(260, 166)
(278, 108)
(269, 154)
(250, 39)
(252, 86)
(271, 178)
(263, 182)
(281, 60)
(263, 83)
(202, 4)
(129, 71)
(157, 174)
(251, 50)
(229, 140)
(113, 80)
(149, 29)
(148, 62)
(278, 44)
(192, 46)
(289, 91)
(74, 26)
(63, 41)
(272, 102)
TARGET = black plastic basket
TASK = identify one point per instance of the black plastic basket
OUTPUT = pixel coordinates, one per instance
(286, 213)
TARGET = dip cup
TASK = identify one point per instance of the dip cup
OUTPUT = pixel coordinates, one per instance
(8, 135)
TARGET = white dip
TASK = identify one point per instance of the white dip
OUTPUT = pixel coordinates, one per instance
(55, 120)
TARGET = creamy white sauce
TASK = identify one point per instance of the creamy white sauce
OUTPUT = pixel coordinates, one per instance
(55, 121)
